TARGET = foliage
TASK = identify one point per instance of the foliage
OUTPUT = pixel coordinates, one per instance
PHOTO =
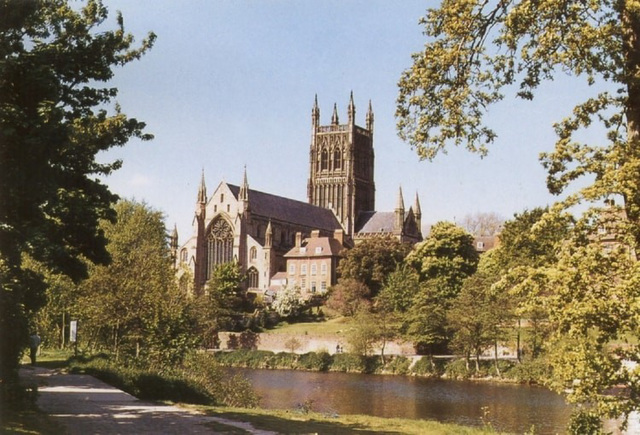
(54, 120)
(220, 305)
(133, 305)
(427, 366)
(446, 255)
(480, 314)
(426, 319)
(348, 296)
(399, 290)
(288, 302)
(292, 344)
(364, 335)
(199, 380)
(372, 260)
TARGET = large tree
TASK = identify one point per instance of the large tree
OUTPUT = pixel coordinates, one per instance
(54, 119)
(478, 49)
(133, 305)
(372, 260)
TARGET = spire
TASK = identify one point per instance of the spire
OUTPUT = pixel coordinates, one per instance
(244, 189)
(202, 190)
(334, 117)
(400, 211)
(268, 236)
(351, 110)
(315, 113)
(174, 237)
(370, 118)
(417, 212)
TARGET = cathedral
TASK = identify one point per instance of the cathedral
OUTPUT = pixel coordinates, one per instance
(280, 241)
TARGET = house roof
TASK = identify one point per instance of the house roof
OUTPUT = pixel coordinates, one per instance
(316, 247)
(289, 210)
(375, 222)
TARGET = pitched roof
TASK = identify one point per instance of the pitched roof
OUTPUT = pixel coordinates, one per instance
(289, 210)
(316, 247)
(376, 222)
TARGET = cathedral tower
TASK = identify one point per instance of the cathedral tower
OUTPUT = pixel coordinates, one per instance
(341, 165)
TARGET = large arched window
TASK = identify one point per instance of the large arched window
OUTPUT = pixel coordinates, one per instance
(219, 245)
(324, 158)
(337, 160)
(253, 277)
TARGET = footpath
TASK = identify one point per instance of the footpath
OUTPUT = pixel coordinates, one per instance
(84, 405)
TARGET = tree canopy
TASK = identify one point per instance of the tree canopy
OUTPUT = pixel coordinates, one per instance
(54, 118)
(478, 51)
(371, 260)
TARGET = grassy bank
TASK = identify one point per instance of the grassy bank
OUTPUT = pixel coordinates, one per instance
(528, 372)
(298, 421)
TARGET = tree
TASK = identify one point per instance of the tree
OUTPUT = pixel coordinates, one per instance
(349, 296)
(54, 119)
(399, 289)
(446, 255)
(288, 302)
(477, 49)
(372, 260)
(133, 305)
(482, 224)
(426, 319)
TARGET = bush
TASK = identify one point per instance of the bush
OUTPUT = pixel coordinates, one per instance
(427, 366)
(397, 365)
(530, 372)
(457, 369)
(315, 361)
(349, 363)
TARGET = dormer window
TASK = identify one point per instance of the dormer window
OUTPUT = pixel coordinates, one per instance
(303, 249)
(480, 245)
(318, 249)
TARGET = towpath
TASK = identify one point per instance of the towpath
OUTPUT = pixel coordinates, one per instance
(86, 405)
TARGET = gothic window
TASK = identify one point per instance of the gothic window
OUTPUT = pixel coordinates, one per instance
(253, 277)
(337, 159)
(253, 253)
(324, 160)
(219, 245)
(183, 255)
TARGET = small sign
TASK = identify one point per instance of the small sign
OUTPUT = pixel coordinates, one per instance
(73, 331)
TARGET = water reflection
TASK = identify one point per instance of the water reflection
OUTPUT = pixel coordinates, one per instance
(511, 408)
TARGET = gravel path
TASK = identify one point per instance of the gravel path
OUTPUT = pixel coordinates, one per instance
(86, 405)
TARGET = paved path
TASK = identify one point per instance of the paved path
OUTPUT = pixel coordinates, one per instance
(86, 405)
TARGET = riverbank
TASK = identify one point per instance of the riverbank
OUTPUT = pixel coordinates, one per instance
(530, 372)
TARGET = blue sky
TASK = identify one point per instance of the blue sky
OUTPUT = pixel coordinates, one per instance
(232, 83)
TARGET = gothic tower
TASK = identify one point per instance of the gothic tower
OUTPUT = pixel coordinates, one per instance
(341, 165)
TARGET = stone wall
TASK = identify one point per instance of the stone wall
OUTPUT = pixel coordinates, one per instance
(312, 343)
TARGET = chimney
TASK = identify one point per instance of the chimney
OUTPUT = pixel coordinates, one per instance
(315, 234)
(298, 239)
(339, 236)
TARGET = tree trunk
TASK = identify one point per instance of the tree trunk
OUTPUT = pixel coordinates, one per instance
(495, 356)
(631, 50)
(518, 352)
(62, 331)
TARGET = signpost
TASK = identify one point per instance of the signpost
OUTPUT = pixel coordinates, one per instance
(73, 335)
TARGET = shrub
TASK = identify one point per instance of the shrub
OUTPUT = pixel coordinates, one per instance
(315, 361)
(427, 366)
(348, 362)
(398, 365)
(457, 369)
(530, 371)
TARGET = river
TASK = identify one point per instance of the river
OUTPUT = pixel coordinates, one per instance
(507, 407)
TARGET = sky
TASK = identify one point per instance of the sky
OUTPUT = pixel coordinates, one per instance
(230, 84)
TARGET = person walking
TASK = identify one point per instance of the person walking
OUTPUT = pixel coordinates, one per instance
(34, 343)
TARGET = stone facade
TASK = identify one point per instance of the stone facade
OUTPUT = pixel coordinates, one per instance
(261, 231)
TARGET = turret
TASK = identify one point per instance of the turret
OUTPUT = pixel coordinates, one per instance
(334, 117)
(201, 203)
(399, 223)
(351, 110)
(369, 119)
(315, 114)
(173, 243)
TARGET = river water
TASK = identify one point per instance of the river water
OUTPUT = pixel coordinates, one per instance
(507, 407)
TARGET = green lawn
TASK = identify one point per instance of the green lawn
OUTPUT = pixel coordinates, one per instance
(338, 325)
(284, 421)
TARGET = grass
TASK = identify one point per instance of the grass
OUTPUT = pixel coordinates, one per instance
(285, 421)
(336, 326)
